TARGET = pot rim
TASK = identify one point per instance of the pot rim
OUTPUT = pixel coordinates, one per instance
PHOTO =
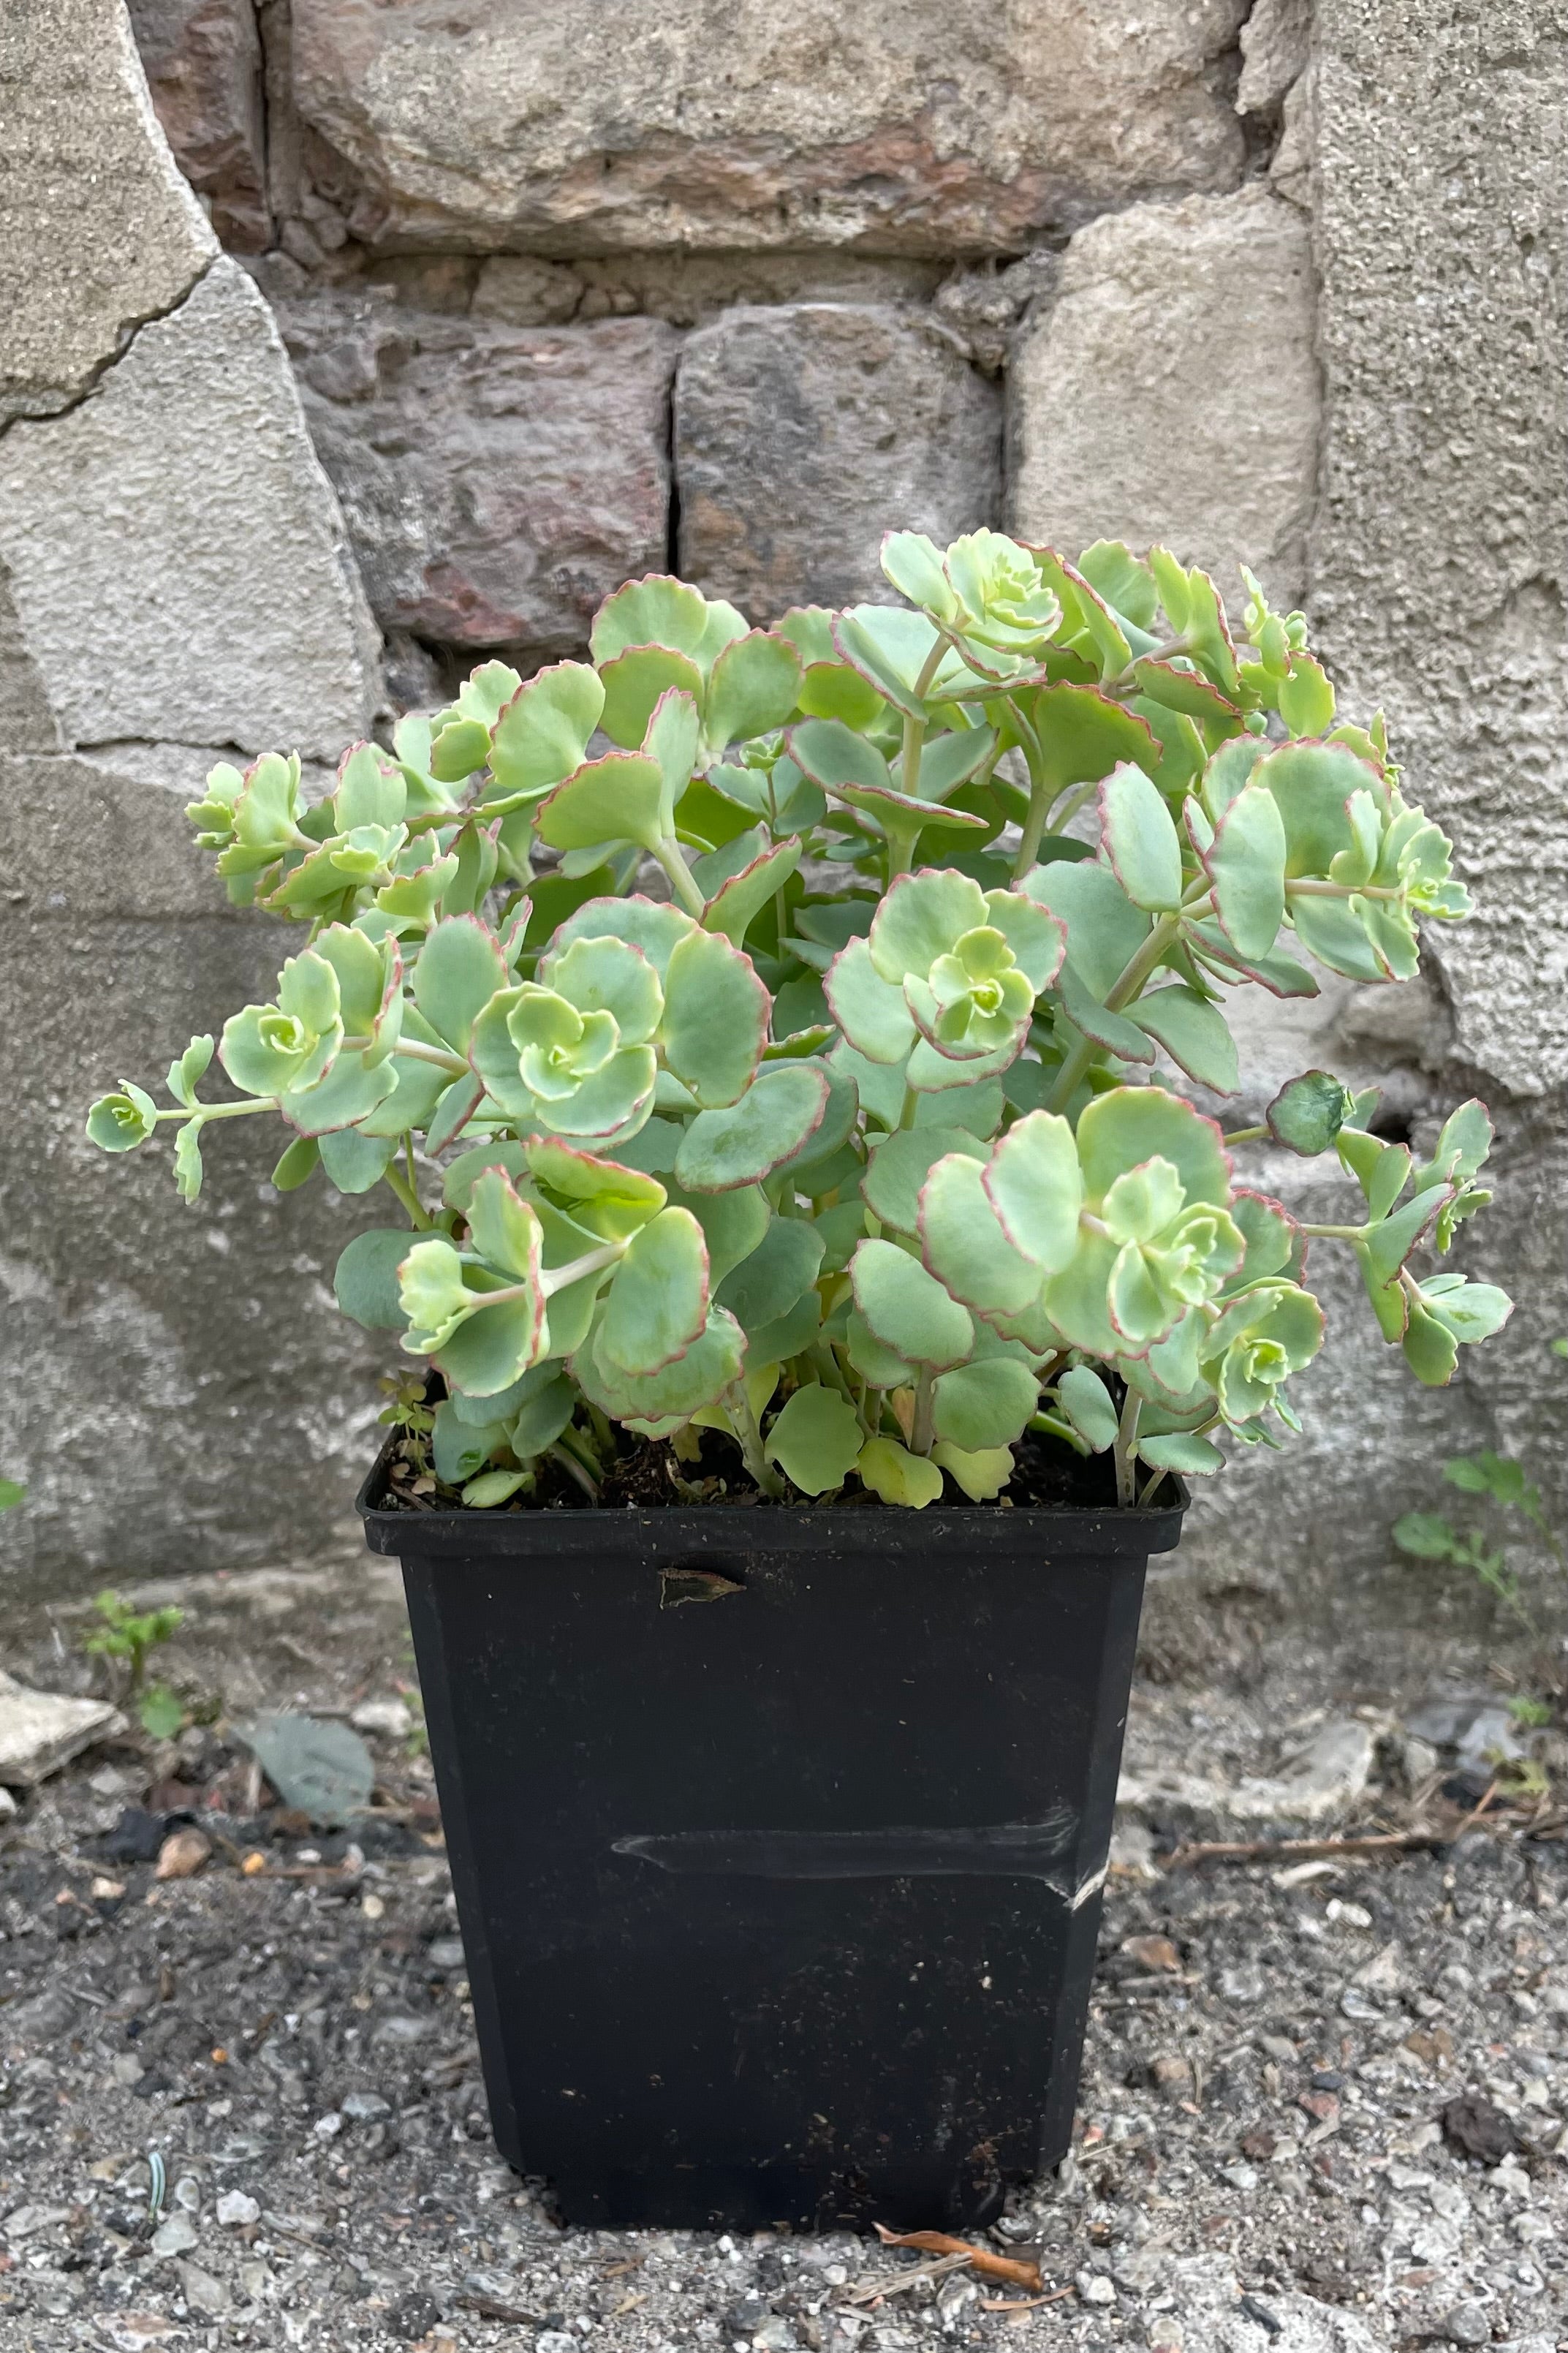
(806, 1528)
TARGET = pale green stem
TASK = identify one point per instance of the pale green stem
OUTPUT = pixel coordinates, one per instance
(574, 1469)
(749, 1437)
(1126, 1439)
(682, 882)
(1245, 1135)
(404, 1188)
(921, 1431)
(1127, 677)
(1317, 890)
(1033, 824)
(1125, 988)
(915, 729)
(900, 850)
(1338, 1233)
(204, 1112)
(910, 1106)
(1051, 1427)
(1065, 805)
(415, 1050)
(561, 1277)
(551, 1279)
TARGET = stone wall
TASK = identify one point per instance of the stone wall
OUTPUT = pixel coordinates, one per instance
(483, 307)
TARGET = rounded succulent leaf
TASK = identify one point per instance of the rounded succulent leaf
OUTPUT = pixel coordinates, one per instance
(1034, 1185)
(715, 1018)
(657, 1300)
(1127, 1125)
(745, 1141)
(895, 1474)
(982, 1474)
(907, 1309)
(965, 1246)
(870, 1011)
(815, 1439)
(977, 1407)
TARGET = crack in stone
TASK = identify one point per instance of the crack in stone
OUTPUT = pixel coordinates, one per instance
(129, 333)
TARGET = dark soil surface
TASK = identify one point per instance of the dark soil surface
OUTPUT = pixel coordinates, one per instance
(648, 1474)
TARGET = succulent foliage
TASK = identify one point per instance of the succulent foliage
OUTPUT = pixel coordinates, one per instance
(752, 1038)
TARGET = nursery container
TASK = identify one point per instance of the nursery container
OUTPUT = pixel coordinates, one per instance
(778, 1838)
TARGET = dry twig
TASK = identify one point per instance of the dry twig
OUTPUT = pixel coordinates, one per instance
(1377, 1842)
(1012, 2268)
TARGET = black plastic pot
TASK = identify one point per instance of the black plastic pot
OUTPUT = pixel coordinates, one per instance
(778, 1839)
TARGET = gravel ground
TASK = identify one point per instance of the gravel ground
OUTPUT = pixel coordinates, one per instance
(1262, 2163)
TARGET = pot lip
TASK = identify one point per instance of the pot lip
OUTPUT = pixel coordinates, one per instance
(717, 1529)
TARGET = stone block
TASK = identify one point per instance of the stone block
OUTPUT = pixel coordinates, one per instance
(945, 126)
(1276, 44)
(185, 1394)
(803, 432)
(1438, 554)
(498, 482)
(177, 560)
(203, 62)
(1171, 393)
(97, 230)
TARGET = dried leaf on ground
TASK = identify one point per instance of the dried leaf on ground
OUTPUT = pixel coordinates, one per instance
(183, 1853)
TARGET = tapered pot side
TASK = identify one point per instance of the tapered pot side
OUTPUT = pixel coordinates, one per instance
(778, 1838)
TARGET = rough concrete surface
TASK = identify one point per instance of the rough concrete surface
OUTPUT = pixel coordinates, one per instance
(803, 432)
(1170, 392)
(97, 230)
(498, 482)
(931, 128)
(1438, 546)
(177, 557)
(1265, 2159)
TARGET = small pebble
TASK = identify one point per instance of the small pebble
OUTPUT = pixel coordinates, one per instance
(175, 2236)
(1467, 2324)
(236, 2208)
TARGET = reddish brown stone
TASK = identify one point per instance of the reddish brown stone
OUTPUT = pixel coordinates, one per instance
(497, 481)
(803, 432)
(203, 62)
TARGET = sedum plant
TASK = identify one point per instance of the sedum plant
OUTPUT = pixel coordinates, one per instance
(752, 1037)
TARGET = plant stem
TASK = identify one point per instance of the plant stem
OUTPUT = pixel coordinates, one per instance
(415, 1050)
(682, 881)
(1245, 1135)
(205, 1111)
(915, 729)
(1067, 806)
(921, 1431)
(1126, 986)
(749, 1437)
(573, 1469)
(1127, 677)
(403, 1187)
(561, 1278)
(910, 1106)
(1126, 1439)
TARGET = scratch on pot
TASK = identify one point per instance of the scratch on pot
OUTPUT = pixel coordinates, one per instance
(1019, 1850)
(1092, 1886)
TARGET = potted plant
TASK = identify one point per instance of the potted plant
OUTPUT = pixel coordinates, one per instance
(818, 1275)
